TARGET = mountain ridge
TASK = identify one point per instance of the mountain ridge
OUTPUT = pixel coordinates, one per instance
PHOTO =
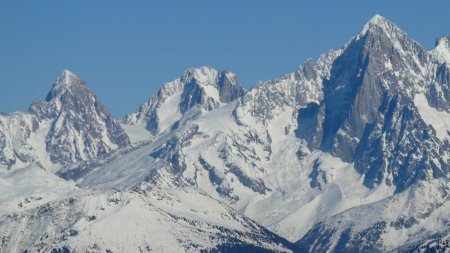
(360, 132)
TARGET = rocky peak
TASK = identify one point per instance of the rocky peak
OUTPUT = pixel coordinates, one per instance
(67, 78)
(370, 90)
(443, 49)
(386, 40)
(207, 76)
(379, 24)
(202, 87)
(208, 87)
(221, 86)
(444, 42)
(202, 75)
(72, 123)
(66, 82)
(378, 20)
(82, 127)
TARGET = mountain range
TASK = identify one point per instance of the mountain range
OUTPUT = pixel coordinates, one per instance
(348, 153)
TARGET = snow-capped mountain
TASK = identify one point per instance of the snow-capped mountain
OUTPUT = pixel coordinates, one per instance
(368, 115)
(349, 153)
(351, 129)
(69, 126)
(112, 191)
(198, 87)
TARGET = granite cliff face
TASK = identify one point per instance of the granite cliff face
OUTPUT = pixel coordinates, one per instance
(368, 114)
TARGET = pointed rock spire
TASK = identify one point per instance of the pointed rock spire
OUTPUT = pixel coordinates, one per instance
(67, 77)
(82, 128)
(377, 19)
(66, 81)
(378, 24)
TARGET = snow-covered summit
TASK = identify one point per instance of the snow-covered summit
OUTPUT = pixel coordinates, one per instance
(66, 77)
(66, 81)
(211, 81)
(443, 41)
(442, 49)
(377, 19)
(379, 24)
(69, 126)
(202, 87)
(203, 75)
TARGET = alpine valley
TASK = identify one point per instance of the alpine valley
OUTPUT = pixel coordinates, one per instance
(348, 153)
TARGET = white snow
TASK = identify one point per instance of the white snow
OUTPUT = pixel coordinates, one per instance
(137, 132)
(204, 75)
(212, 91)
(388, 65)
(424, 202)
(295, 207)
(442, 50)
(66, 78)
(169, 112)
(29, 187)
(37, 142)
(124, 172)
(376, 20)
(292, 206)
(264, 147)
(439, 120)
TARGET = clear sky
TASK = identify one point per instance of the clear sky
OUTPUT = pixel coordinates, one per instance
(126, 50)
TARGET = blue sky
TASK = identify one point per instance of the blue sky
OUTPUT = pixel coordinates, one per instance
(126, 50)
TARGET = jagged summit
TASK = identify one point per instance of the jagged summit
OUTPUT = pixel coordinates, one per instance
(66, 81)
(206, 82)
(81, 127)
(443, 41)
(208, 76)
(203, 87)
(202, 74)
(378, 19)
(66, 77)
(443, 48)
(378, 24)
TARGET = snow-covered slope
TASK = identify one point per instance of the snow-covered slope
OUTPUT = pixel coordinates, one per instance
(43, 213)
(402, 222)
(30, 187)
